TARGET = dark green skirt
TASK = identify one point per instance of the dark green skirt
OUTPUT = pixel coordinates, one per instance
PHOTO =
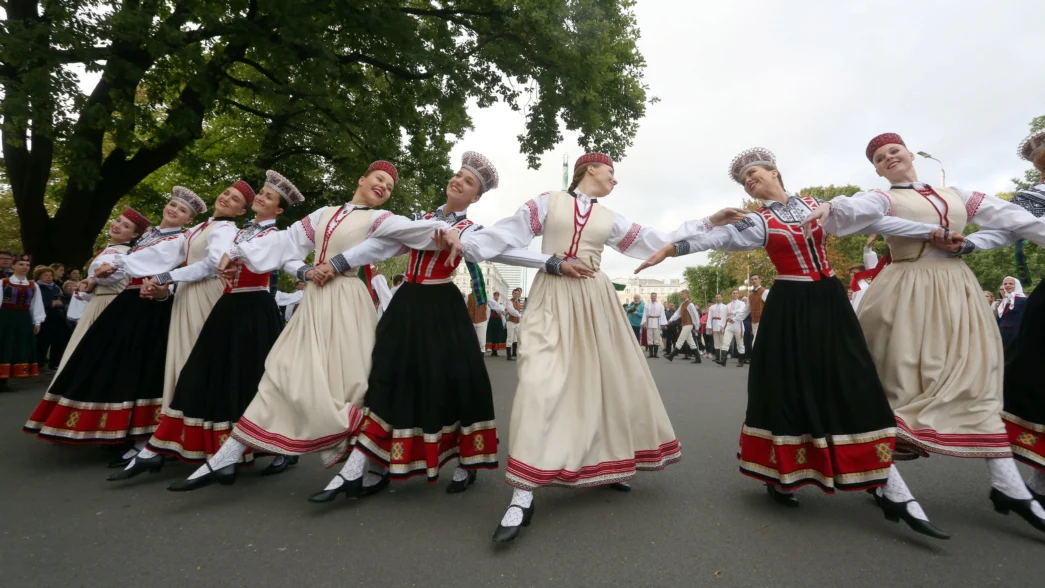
(17, 344)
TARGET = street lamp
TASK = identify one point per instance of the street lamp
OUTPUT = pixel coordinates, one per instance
(943, 175)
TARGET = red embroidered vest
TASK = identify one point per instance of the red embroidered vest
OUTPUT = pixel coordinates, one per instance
(796, 257)
(429, 267)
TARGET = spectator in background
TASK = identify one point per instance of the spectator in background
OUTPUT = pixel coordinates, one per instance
(635, 310)
(59, 273)
(74, 275)
(1010, 310)
(397, 281)
(6, 260)
(989, 297)
(54, 324)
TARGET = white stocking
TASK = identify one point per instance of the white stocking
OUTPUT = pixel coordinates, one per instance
(1036, 481)
(460, 474)
(139, 444)
(514, 516)
(371, 479)
(896, 490)
(145, 453)
(353, 469)
(229, 453)
(1006, 478)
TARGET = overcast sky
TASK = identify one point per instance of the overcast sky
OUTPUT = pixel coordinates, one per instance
(811, 80)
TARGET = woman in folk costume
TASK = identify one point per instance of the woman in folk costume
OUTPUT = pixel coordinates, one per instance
(100, 292)
(1024, 409)
(315, 374)
(87, 403)
(1010, 311)
(21, 314)
(826, 422)
(426, 404)
(935, 344)
(496, 334)
(221, 374)
(514, 310)
(586, 411)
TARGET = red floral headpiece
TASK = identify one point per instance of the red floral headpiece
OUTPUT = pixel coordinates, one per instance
(245, 189)
(593, 158)
(386, 167)
(881, 141)
(137, 218)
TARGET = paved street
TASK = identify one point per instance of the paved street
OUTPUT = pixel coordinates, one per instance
(699, 523)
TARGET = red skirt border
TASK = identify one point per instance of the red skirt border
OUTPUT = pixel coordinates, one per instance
(265, 441)
(67, 421)
(843, 462)
(992, 445)
(527, 477)
(412, 452)
(191, 440)
(1027, 440)
(19, 370)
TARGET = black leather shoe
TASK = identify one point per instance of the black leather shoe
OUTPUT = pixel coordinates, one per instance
(620, 486)
(1039, 497)
(456, 487)
(351, 489)
(505, 534)
(741, 362)
(371, 490)
(121, 462)
(151, 464)
(225, 476)
(874, 494)
(894, 511)
(697, 359)
(278, 466)
(671, 356)
(781, 497)
(1003, 503)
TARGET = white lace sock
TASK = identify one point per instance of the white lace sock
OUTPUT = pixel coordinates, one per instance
(1036, 481)
(1006, 478)
(514, 516)
(897, 491)
(460, 474)
(354, 468)
(371, 479)
(139, 444)
(229, 453)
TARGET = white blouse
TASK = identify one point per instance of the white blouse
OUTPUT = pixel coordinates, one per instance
(219, 241)
(157, 251)
(36, 306)
(851, 214)
(516, 232)
(107, 256)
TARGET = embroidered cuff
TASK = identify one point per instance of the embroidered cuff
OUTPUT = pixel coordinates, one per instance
(302, 271)
(163, 278)
(967, 248)
(234, 253)
(706, 221)
(340, 263)
(681, 248)
(553, 266)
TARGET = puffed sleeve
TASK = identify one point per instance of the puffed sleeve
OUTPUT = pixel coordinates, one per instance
(640, 242)
(219, 242)
(107, 256)
(513, 232)
(991, 212)
(869, 212)
(744, 235)
(274, 249)
(37, 306)
(157, 258)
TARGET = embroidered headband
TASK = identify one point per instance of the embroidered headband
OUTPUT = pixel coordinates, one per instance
(483, 169)
(137, 218)
(748, 158)
(189, 198)
(593, 158)
(284, 187)
(881, 141)
(386, 167)
(1032, 145)
(245, 189)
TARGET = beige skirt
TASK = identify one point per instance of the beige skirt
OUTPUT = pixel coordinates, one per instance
(94, 308)
(192, 305)
(938, 352)
(310, 396)
(587, 411)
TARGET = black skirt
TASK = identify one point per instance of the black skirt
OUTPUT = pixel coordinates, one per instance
(429, 398)
(220, 377)
(112, 386)
(817, 412)
(1024, 412)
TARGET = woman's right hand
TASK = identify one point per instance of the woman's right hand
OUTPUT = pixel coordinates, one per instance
(576, 270)
(661, 254)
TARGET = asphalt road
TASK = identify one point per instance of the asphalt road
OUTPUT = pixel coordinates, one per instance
(698, 523)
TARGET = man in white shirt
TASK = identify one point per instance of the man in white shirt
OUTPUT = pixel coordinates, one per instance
(652, 317)
(860, 286)
(689, 318)
(736, 311)
(716, 321)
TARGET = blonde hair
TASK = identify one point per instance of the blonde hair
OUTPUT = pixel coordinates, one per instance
(41, 270)
(579, 173)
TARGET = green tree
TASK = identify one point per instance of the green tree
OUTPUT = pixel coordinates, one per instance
(226, 88)
(705, 281)
(673, 298)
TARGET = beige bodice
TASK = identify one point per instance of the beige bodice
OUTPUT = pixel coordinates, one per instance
(562, 225)
(909, 204)
(334, 237)
(198, 243)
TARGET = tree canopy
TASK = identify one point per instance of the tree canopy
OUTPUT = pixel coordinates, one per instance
(203, 92)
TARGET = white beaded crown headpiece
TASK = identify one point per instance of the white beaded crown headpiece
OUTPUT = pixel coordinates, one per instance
(286, 189)
(1032, 145)
(189, 198)
(483, 169)
(748, 158)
